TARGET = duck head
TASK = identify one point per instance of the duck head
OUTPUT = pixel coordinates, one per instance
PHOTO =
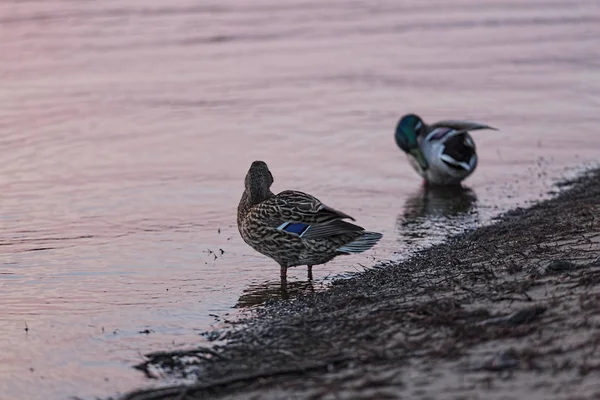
(258, 182)
(408, 129)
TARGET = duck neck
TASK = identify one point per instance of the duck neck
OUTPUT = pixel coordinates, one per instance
(257, 195)
(251, 198)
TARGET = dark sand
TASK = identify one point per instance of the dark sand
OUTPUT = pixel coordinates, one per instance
(511, 310)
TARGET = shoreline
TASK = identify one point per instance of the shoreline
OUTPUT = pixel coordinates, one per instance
(509, 309)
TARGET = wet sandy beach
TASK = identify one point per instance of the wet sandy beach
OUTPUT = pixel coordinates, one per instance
(505, 311)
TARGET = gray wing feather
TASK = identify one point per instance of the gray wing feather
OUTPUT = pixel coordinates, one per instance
(461, 125)
(334, 228)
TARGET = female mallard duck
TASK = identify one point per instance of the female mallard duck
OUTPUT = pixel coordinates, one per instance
(294, 228)
(442, 153)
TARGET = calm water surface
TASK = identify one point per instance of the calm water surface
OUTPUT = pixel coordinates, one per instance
(126, 130)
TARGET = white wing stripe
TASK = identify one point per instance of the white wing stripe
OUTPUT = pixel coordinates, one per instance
(283, 226)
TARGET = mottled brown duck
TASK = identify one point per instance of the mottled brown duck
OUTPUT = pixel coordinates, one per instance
(294, 228)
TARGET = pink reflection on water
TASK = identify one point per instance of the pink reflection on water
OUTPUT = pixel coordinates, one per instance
(126, 130)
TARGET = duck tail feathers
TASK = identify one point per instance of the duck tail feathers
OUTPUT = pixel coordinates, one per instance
(362, 243)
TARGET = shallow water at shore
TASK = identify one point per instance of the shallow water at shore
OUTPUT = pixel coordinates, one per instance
(126, 130)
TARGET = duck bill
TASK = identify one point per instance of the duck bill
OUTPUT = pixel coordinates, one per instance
(418, 155)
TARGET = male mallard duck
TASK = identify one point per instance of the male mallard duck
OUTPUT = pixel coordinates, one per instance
(443, 153)
(295, 228)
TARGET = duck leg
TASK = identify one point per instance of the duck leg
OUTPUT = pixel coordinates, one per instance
(283, 271)
(284, 293)
(309, 269)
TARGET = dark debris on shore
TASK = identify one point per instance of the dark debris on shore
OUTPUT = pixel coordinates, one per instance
(509, 309)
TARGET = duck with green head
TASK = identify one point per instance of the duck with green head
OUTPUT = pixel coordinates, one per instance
(294, 228)
(442, 153)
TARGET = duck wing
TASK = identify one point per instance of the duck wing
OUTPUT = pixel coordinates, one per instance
(302, 207)
(333, 228)
(461, 126)
(304, 215)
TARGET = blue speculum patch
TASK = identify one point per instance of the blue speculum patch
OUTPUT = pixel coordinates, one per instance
(297, 228)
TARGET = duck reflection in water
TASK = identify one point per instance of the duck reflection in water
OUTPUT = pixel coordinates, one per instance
(433, 213)
(273, 290)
